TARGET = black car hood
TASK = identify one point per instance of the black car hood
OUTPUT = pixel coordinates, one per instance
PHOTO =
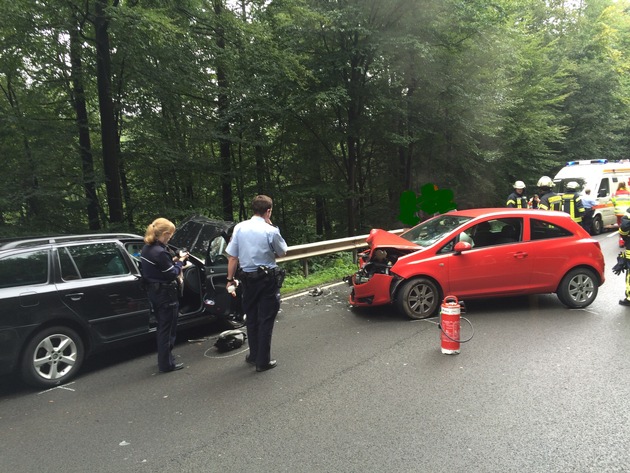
(196, 233)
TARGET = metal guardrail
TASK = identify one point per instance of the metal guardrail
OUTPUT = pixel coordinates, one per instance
(309, 250)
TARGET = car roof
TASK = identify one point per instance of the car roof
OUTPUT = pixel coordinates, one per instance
(10, 243)
(511, 212)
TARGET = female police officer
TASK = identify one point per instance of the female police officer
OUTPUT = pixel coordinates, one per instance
(160, 270)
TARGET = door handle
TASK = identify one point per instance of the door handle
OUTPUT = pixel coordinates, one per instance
(520, 255)
(77, 296)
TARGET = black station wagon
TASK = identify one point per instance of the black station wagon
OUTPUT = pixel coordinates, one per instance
(63, 298)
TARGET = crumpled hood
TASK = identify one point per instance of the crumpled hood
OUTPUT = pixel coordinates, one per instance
(383, 239)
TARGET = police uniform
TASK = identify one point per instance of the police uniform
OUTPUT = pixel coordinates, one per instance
(160, 273)
(589, 204)
(256, 243)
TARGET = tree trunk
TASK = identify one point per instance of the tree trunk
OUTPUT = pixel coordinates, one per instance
(225, 158)
(106, 108)
(85, 146)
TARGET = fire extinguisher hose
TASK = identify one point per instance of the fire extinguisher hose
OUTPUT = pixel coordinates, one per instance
(459, 341)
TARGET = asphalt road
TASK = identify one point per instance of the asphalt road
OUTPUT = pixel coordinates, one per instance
(539, 388)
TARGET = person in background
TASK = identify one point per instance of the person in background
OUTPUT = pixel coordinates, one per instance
(589, 208)
(254, 246)
(517, 199)
(572, 202)
(160, 270)
(549, 200)
(621, 201)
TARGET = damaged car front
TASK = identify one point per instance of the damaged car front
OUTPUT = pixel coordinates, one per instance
(391, 259)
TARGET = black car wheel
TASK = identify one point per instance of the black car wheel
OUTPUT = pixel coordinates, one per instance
(597, 226)
(418, 298)
(52, 357)
(578, 288)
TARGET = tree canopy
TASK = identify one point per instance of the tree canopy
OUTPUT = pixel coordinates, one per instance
(115, 112)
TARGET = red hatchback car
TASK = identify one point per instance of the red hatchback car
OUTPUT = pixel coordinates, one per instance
(479, 253)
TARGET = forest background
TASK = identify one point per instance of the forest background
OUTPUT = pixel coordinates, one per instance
(114, 112)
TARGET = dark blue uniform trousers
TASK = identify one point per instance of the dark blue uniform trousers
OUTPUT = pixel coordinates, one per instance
(166, 308)
(261, 303)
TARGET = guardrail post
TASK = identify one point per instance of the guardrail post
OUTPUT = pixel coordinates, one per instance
(305, 267)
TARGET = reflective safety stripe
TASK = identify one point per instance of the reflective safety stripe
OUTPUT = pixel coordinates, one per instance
(570, 205)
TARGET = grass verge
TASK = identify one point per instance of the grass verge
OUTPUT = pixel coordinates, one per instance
(321, 270)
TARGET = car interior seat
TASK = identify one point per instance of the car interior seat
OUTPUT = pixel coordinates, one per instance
(508, 234)
(483, 235)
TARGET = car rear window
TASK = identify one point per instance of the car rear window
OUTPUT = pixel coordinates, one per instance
(24, 269)
(543, 230)
(91, 261)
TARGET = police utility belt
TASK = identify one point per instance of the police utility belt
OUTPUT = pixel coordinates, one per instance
(159, 285)
(263, 272)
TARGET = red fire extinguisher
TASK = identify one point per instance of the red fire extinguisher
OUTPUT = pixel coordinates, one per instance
(450, 315)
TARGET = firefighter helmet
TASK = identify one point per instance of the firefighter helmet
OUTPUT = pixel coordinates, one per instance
(573, 186)
(519, 185)
(545, 181)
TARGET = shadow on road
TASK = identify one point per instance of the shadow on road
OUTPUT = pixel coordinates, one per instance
(12, 385)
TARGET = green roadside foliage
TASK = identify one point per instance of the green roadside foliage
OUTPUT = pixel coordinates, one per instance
(321, 270)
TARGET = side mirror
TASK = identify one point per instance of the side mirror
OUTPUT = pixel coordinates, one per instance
(461, 246)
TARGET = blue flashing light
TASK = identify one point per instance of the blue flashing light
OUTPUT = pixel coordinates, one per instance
(586, 161)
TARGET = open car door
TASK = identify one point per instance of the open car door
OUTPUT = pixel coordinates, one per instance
(207, 239)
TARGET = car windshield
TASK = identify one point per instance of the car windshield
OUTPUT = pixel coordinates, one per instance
(432, 230)
(561, 184)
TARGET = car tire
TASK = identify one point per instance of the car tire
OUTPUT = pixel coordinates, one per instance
(597, 226)
(418, 298)
(578, 288)
(52, 357)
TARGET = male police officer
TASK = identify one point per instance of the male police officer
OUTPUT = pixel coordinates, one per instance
(254, 246)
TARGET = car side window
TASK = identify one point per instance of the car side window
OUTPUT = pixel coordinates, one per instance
(542, 230)
(216, 252)
(94, 261)
(69, 270)
(495, 232)
(24, 269)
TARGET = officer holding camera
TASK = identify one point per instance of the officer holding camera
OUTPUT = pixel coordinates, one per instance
(160, 270)
(254, 246)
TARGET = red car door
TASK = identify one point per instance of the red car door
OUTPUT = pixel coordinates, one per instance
(501, 267)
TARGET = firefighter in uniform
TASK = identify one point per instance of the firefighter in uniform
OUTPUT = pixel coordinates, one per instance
(572, 202)
(517, 198)
(624, 258)
(549, 200)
